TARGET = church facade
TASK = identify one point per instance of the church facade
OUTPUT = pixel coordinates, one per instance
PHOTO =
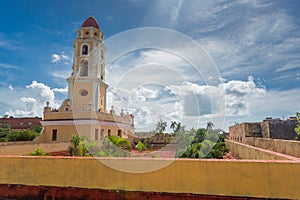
(84, 112)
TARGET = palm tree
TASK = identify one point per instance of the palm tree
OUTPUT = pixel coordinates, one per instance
(209, 126)
(161, 126)
(173, 125)
(176, 126)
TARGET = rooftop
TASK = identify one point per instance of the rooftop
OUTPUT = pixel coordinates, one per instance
(90, 22)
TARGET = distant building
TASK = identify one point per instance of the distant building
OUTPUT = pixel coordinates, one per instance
(268, 128)
(21, 123)
(84, 112)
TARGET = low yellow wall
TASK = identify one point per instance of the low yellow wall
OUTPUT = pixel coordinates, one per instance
(23, 148)
(281, 146)
(244, 151)
(277, 179)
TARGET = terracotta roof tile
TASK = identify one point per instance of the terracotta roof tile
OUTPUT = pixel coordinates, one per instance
(91, 21)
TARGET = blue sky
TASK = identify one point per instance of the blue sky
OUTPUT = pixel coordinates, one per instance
(254, 44)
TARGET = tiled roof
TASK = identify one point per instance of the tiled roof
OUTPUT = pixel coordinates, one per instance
(91, 21)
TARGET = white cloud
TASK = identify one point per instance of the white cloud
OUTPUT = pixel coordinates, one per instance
(29, 101)
(61, 58)
(205, 99)
(55, 58)
(290, 65)
(9, 66)
(60, 90)
(10, 87)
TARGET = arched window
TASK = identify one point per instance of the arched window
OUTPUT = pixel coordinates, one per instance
(84, 68)
(85, 49)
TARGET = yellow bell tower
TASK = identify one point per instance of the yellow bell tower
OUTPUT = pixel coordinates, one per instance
(84, 112)
(86, 86)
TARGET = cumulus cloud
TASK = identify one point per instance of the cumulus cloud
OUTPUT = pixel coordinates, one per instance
(204, 99)
(29, 101)
(60, 90)
(61, 58)
(142, 94)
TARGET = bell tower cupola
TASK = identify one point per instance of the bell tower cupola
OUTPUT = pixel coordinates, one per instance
(86, 85)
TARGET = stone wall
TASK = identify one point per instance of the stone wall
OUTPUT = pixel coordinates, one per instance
(279, 129)
(234, 178)
(23, 148)
(244, 151)
(268, 128)
(281, 146)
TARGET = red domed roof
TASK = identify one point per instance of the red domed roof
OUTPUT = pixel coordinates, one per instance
(91, 21)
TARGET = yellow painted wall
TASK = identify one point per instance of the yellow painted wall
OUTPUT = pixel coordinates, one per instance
(245, 151)
(212, 177)
(65, 132)
(282, 146)
(86, 115)
(23, 148)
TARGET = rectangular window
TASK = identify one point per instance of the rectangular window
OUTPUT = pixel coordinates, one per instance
(102, 133)
(109, 132)
(96, 134)
(54, 134)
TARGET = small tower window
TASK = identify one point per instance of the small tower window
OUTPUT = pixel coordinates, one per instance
(85, 49)
(84, 68)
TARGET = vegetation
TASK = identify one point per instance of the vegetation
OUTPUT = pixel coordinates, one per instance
(297, 129)
(176, 127)
(120, 142)
(201, 143)
(38, 152)
(112, 147)
(79, 146)
(9, 135)
(161, 126)
(195, 143)
(140, 146)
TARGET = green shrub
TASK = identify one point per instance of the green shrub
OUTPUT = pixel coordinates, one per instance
(38, 152)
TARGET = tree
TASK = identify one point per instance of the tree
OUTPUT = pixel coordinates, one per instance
(140, 146)
(120, 142)
(9, 135)
(176, 126)
(161, 126)
(78, 146)
(209, 126)
(204, 144)
(297, 128)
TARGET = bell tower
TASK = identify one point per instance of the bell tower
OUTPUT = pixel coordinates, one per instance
(86, 85)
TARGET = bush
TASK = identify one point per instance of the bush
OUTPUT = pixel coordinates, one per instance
(140, 146)
(9, 135)
(38, 152)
